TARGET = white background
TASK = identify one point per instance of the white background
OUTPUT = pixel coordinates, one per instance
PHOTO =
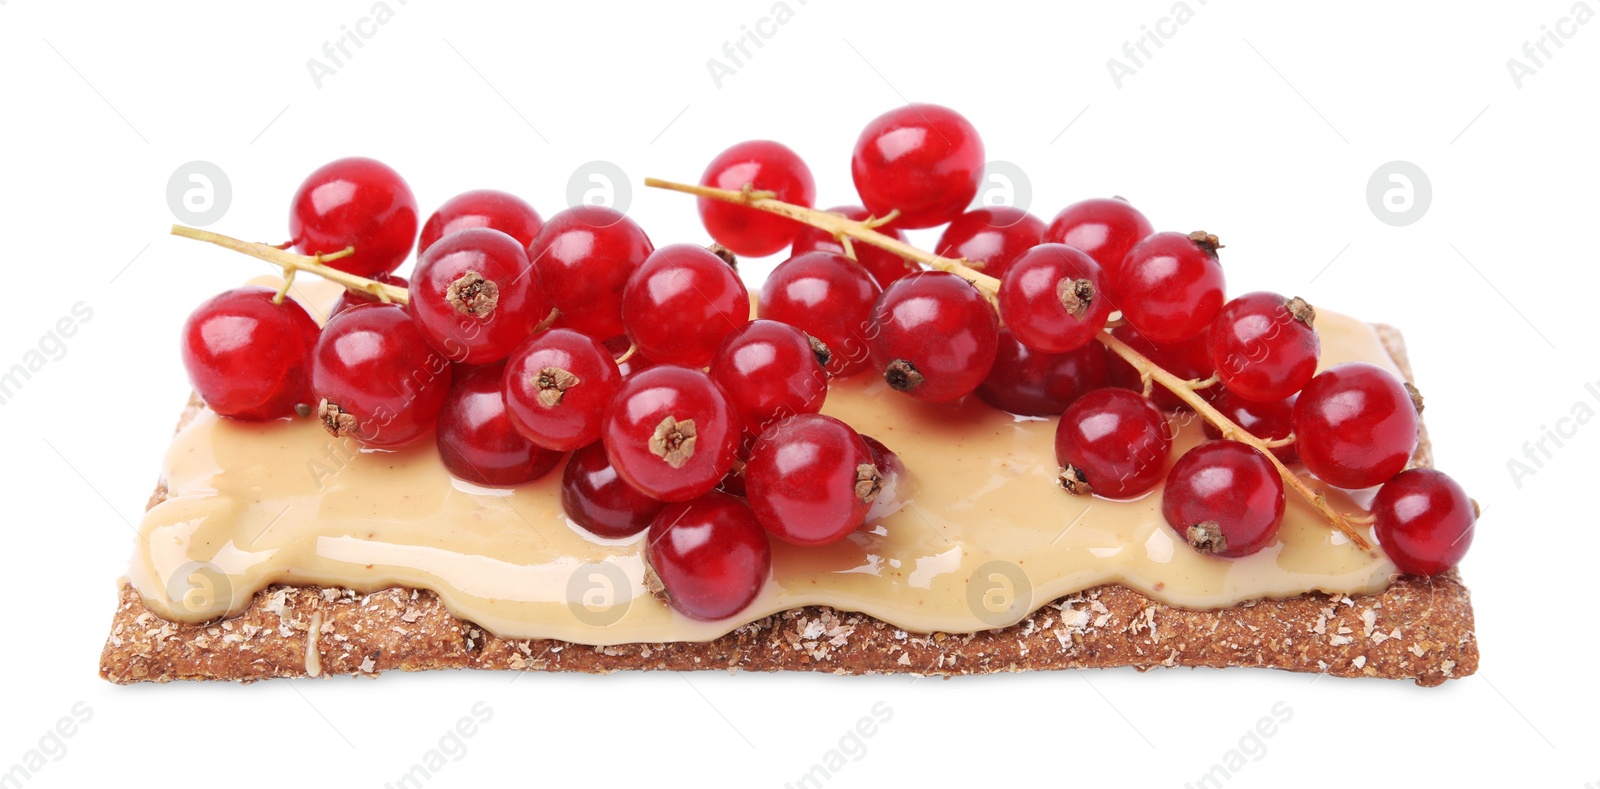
(1260, 122)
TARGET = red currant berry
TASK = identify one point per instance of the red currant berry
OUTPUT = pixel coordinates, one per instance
(1266, 421)
(711, 555)
(671, 432)
(476, 439)
(1113, 443)
(1052, 299)
(377, 379)
(681, 303)
(1424, 521)
(761, 165)
(1170, 285)
(771, 372)
(1029, 383)
(489, 208)
(247, 357)
(811, 480)
(475, 297)
(584, 256)
(935, 336)
(1224, 498)
(359, 203)
(1355, 425)
(351, 298)
(1263, 346)
(991, 236)
(1188, 360)
(1104, 228)
(923, 159)
(828, 297)
(596, 498)
(557, 387)
(884, 266)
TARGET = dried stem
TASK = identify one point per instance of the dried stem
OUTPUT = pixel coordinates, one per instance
(1187, 391)
(291, 262)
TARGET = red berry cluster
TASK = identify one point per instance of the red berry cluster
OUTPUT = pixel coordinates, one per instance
(517, 341)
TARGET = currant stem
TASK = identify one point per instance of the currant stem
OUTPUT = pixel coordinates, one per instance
(1149, 371)
(291, 262)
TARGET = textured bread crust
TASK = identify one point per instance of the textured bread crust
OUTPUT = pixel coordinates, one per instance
(1418, 628)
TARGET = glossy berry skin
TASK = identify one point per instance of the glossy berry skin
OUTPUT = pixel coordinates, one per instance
(711, 555)
(1263, 346)
(556, 388)
(649, 442)
(1266, 421)
(1170, 286)
(935, 337)
(351, 298)
(923, 159)
(1355, 425)
(596, 498)
(355, 202)
(811, 480)
(584, 256)
(1104, 228)
(375, 379)
(1189, 360)
(1029, 383)
(681, 303)
(884, 266)
(489, 208)
(248, 358)
(1224, 498)
(476, 440)
(1424, 521)
(993, 236)
(770, 372)
(475, 297)
(1113, 443)
(829, 297)
(762, 165)
(1053, 298)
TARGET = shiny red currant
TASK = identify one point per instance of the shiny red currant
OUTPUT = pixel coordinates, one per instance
(359, 203)
(761, 165)
(1104, 228)
(923, 159)
(1188, 360)
(1224, 498)
(711, 555)
(991, 236)
(1356, 425)
(771, 371)
(1112, 443)
(681, 303)
(1029, 383)
(247, 357)
(475, 297)
(671, 432)
(584, 256)
(1424, 521)
(557, 387)
(476, 439)
(884, 266)
(596, 498)
(488, 208)
(811, 480)
(935, 336)
(828, 297)
(1263, 346)
(1266, 421)
(376, 379)
(1053, 299)
(1170, 285)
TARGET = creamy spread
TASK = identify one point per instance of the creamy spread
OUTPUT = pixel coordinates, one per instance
(976, 535)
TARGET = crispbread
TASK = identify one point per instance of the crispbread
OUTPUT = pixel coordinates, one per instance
(1418, 628)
